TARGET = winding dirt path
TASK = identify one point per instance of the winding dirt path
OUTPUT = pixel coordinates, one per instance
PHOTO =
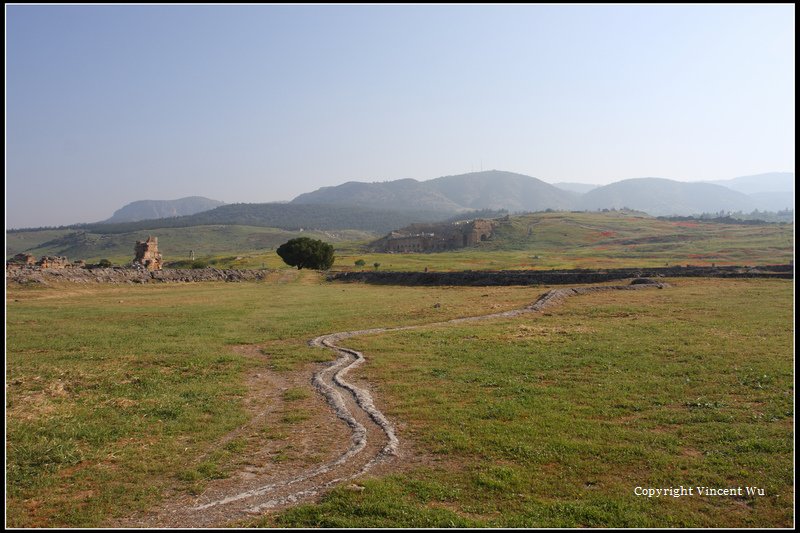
(372, 442)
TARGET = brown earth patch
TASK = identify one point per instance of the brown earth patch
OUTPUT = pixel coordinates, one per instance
(270, 448)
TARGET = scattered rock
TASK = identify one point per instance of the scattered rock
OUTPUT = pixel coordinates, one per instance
(130, 275)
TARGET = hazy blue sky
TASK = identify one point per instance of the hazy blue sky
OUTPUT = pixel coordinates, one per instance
(106, 104)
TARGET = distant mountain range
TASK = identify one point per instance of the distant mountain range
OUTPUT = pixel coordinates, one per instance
(660, 197)
(284, 216)
(150, 209)
(496, 189)
(398, 194)
(771, 182)
(492, 189)
(579, 188)
(386, 205)
(770, 192)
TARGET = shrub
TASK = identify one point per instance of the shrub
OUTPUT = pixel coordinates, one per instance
(305, 252)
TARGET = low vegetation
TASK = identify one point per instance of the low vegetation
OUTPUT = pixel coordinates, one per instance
(176, 244)
(289, 217)
(554, 421)
(538, 241)
(600, 240)
(117, 394)
(304, 252)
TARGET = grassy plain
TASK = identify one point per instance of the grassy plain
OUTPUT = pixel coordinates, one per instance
(598, 240)
(535, 241)
(553, 421)
(116, 394)
(115, 391)
(227, 242)
(581, 240)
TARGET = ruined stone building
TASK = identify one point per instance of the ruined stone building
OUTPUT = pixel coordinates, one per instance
(147, 254)
(57, 262)
(21, 260)
(436, 237)
(25, 260)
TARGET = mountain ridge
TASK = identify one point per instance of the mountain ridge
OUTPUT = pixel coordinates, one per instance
(458, 195)
(156, 209)
(490, 189)
(760, 183)
(662, 197)
(514, 192)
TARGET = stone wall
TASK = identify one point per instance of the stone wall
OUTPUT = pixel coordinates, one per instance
(557, 277)
(436, 237)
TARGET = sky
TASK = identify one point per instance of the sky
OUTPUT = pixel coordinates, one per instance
(106, 105)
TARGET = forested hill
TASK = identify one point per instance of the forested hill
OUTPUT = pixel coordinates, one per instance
(283, 216)
(491, 189)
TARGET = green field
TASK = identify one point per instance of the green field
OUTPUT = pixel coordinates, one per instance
(176, 244)
(118, 396)
(601, 240)
(554, 421)
(535, 241)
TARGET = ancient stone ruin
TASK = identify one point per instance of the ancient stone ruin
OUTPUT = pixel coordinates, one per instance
(21, 260)
(147, 254)
(47, 262)
(53, 261)
(436, 237)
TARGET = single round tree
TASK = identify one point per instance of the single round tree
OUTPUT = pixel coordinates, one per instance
(304, 252)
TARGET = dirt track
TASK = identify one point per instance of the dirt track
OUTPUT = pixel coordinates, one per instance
(372, 442)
